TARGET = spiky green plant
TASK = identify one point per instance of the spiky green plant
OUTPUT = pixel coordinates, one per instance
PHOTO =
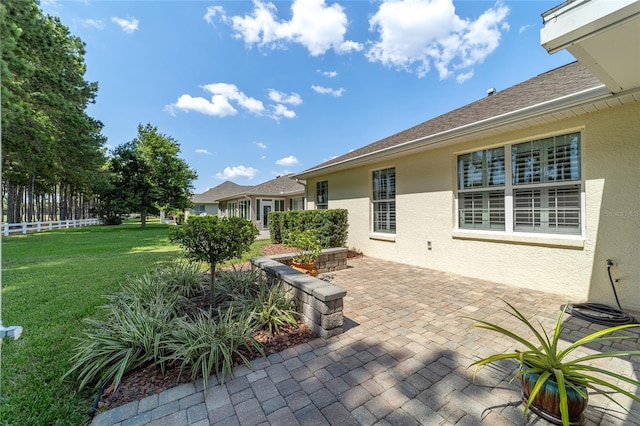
(126, 337)
(237, 284)
(210, 345)
(187, 277)
(544, 357)
(272, 309)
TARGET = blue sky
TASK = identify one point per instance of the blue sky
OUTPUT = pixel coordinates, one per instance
(256, 89)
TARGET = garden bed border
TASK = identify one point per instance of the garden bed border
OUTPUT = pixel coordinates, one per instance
(318, 302)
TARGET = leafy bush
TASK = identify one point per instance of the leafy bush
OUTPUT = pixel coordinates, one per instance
(214, 240)
(179, 218)
(209, 346)
(307, 245)
(331, 226)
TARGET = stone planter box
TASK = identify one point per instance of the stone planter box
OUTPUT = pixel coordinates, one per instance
(318, 302)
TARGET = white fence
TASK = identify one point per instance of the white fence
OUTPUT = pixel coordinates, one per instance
(25, 227)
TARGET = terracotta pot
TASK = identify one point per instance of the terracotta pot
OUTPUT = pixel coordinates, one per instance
(307, 268)
(546, 404)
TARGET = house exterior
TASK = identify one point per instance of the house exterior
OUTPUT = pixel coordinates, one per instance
(535, 186)
(256, 202)
(207, 202)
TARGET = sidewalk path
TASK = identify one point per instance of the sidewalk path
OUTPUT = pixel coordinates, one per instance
(402, 360)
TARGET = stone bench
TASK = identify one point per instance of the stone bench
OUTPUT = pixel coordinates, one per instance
(318, 302)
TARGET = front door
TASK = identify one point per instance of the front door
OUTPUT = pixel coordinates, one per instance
(266, 209)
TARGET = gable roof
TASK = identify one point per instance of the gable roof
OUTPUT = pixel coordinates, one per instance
(538, 95)
(212, 195)
(281, 186)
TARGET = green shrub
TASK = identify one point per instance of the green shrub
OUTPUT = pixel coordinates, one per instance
(275, 227)
(209, 346)
(307, 244)
(331, 226)
(179, 217)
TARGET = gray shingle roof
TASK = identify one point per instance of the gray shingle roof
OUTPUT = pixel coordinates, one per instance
(280, 186)
(212, 195)
(554, 84)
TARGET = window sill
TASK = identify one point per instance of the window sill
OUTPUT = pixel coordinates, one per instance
(547, 240)
(382, 236)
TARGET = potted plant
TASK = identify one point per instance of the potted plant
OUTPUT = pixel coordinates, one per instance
(554, 386)
(308, 249)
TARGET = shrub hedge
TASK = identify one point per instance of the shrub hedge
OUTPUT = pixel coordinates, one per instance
(331, 226)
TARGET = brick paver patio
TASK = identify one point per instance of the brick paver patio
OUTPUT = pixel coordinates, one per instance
(402, 360)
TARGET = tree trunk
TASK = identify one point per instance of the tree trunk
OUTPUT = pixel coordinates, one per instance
(30, 190)
(11, 201)
(17, 212)
(143, 218)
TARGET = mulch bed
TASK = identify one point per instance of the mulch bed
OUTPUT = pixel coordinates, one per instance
(147, 381)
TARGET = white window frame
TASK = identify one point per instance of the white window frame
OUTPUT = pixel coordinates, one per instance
(322, 187)
(388, 199)
(511, 188)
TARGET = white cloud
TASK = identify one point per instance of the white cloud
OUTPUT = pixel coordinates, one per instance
(92, 23)
(524, 28)
(282, 111)
(328, 91)
(260, 145)
(203, 151)
(416, 34)
(212, 12)
(288, 161)
(126, 25)
(461, 78)
(226, 95)
(264, 157)
(313, 24)
(236, 172)
(218, 106)
(329, 74)
(230, 92)
(283, 98)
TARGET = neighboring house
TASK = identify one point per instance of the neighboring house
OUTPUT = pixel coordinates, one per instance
(207, 202)
(535, 186)
(255, 202)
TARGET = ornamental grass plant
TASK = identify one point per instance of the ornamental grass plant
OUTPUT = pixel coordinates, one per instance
(544, 358)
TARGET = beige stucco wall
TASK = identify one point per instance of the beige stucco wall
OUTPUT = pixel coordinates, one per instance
(425, 208)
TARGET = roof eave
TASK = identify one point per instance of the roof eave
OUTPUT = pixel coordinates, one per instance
(555, 105)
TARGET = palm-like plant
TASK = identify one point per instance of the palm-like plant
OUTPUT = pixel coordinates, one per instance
(543, 358)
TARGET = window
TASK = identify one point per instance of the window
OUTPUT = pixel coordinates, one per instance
(480, 203)
(541, 192)
(296, 203)
(384, 200)
(545, 176)
(198, 209)
(244, 209)
(258, 209)
(322, 195)
(232, 209)
(278, 205)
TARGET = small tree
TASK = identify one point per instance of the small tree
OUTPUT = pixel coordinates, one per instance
(214, 240)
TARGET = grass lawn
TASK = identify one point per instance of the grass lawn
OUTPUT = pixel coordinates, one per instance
(50, 282)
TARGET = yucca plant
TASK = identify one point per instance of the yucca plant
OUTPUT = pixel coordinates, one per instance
(544, 360)
(210, 345)
(238, 284)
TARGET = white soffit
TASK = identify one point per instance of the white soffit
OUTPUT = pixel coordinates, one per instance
(604, 35)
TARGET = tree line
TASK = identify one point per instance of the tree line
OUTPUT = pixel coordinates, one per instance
(54, 161)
